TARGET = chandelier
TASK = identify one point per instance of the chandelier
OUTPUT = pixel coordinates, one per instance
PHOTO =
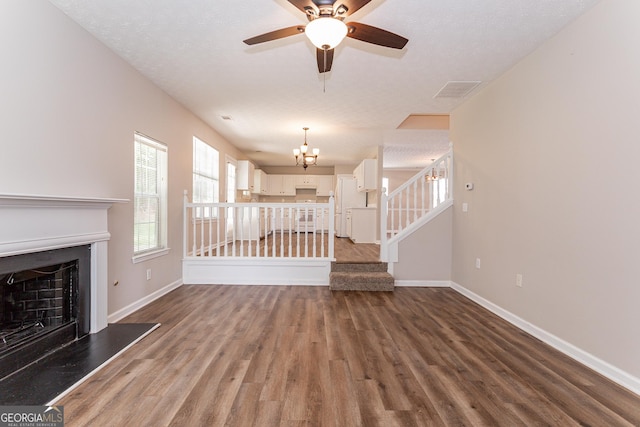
(303, 157)
(433, 176)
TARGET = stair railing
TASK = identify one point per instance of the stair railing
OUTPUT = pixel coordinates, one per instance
(414, 202)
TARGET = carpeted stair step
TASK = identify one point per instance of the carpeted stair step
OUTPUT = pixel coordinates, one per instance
(353, 267)
(361, 281)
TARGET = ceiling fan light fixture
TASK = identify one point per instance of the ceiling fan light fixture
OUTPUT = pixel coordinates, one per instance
(326, 32)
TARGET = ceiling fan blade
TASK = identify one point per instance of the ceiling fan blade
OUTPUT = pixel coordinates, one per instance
(369, 34)
(325, 60)
(274, 35)
(352, 6)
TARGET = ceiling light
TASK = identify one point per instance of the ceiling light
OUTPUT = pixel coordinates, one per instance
(326, 33)
(302, 154)
(433, 176)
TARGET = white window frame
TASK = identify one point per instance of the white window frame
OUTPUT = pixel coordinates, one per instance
(438, 190)
(150, 196)
(206, 176)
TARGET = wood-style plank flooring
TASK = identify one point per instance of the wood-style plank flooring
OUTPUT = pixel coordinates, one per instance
(293, 356)
(302, 245)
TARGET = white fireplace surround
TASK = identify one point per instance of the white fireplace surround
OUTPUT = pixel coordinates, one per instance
(32, 223)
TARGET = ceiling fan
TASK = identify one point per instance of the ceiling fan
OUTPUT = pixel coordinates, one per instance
(326, 29)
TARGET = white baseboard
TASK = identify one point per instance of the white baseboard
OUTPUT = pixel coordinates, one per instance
(423, 283)
(613, 373)
(131, 308)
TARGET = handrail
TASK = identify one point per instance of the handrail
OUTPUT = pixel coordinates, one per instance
(258, 230)
(412, 201)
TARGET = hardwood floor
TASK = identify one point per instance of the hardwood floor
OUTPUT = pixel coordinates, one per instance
(345, 251)
(291, 356)
(277, 244)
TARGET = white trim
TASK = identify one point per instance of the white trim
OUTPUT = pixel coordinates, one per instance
(39, 200)
(49, 243)
(615, 374)
(423, 283)
(146, 256)
(105, 363)
(137, 305)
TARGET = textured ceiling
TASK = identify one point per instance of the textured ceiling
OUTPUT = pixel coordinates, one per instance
(193, 50)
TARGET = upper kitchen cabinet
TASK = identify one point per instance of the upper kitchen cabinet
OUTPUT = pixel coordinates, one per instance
(366, 175)
(245, 175)
(305, 181)
(324, 185)
(260, 182)
(282, 185)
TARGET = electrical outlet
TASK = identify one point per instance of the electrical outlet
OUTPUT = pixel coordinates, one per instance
(148, 274)
(519, 280)
(477, 262)
(465, 207)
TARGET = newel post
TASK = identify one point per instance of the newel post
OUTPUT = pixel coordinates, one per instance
(185, 230)
(332, 219)
(384, 250)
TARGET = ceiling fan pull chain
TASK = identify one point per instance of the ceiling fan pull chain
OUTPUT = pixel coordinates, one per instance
(324, 73)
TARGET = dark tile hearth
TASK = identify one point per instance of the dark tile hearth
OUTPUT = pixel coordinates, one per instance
(44, 380)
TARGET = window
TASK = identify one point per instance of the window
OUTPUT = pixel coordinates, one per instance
(150, 198)
(438, 189)
(206, 175)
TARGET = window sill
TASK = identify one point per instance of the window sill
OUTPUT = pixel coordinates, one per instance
(149, 255)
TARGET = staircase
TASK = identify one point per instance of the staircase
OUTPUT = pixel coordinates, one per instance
(414, 203)
(360, 276)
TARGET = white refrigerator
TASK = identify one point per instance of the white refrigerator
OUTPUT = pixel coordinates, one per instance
(347, 196)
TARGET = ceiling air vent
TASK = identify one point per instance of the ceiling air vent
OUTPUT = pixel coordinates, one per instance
(456, 89)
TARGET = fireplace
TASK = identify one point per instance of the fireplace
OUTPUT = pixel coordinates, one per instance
(53, 273)
(45, 301)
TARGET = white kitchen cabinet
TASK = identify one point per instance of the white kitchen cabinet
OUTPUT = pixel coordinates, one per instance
(361, 225)
(260, 182)
(324, 185)
(305, 181)
(366, 175)
(245, 175)
(282, 185)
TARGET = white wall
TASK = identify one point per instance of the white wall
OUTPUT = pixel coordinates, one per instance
(68, 113)
(553, 147)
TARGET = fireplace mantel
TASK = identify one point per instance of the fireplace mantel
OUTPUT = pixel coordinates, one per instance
(35, 223)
